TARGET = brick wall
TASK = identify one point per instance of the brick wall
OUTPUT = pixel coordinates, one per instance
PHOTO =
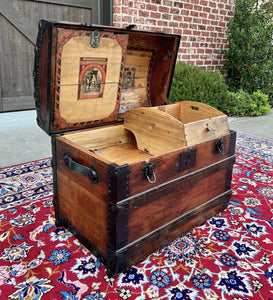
(202, 24)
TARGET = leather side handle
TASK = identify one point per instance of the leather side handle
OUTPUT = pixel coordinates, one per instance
(76, 167)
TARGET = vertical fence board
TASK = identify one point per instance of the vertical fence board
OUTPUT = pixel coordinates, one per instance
(18, 30)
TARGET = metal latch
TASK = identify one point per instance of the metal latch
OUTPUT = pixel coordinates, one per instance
(219, 146)
(149, 172)
(95, 39)
(187, 160)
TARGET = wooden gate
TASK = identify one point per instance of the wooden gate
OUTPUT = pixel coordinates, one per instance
(18, 30)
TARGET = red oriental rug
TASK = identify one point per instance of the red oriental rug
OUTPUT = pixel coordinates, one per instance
(228, 257)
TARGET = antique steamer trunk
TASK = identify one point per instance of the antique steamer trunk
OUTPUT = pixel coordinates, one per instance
(132, 172)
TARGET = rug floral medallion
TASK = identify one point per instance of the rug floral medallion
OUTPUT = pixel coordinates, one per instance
(228, 257)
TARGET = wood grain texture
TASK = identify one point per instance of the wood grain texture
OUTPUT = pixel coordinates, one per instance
(166, 234)
(154, 55)
(162, 204)
(156, 132)
(82, 203)
(167, 165)
(19, 26)
(113, 143)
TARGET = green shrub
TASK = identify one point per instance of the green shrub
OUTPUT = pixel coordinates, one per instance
(248, 60)
(243, 104)
(196, 84)
(193, 83)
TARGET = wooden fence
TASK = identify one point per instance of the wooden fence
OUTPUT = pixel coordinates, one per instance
(18, 30)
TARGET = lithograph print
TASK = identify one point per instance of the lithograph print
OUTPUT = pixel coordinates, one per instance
(128, 84)
(92, 77)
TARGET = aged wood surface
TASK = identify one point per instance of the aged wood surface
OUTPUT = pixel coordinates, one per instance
(166, 234)
(73, 109)
(113, 143)
(174, 199)
(86, 158)
(165, 128)
(167, 166)
(19, 24)
(149, 63)
(82, 203)
(156, 132)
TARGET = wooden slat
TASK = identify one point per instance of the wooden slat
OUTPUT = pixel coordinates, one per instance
(156, 132)
(26, 102)
(76, 3)
(169, 201)
(18, 20)
(166, 234)
(18, 31)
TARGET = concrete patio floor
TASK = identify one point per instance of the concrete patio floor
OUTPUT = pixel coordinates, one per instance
(22, 140)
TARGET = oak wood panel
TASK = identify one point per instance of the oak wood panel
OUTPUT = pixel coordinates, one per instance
(165, 203)
(87, 159)
(18, 31)
(163, 236)
(156, 132)
(83, 210)
(158, 75)
(167, 166)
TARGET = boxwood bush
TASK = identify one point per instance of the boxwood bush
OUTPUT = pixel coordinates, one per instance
(193, 83)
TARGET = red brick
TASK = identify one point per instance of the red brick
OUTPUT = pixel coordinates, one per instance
(151, 21)
(177, 18)
(143, 13)
(202, 25)
(188, 6)
(155, 15)
(173, 24)
(167, 30)
(162, 23)
(197, 7)
(127, 19)
(174, 11)
(187, 31)
(206, 9)
(186, 44)
(203, 15)
(194, 13)
(195, 45)
(164, 9)
(151, 7)
(178, 4)
(124, 10)
(187, 19)
(193, 26)
(205, 21)
(116, 10)
(212, 4)
(195, 32)
(116, 18)
(177, 31)
(166, 17)
(196, 21)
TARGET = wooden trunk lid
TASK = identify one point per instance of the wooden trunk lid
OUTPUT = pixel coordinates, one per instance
(87, 76)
